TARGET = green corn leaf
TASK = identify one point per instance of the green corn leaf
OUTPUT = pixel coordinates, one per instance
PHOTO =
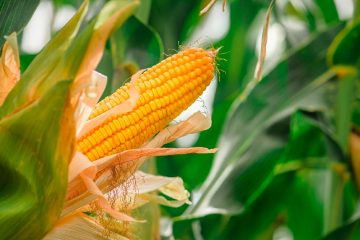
(37, 145)
(14, 15)
(342, 58)
(341, 52)
(143, 12)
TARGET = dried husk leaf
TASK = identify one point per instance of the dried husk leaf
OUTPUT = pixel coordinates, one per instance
(9, 67)
(148, 186)
(78, 227)
(126, 163)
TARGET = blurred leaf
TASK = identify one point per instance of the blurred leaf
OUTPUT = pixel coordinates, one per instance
(192, 21)
(309, 128)
(356, 113)
(293, 11)
(293, 84)
(347, 232)
(350, 230)
(131, 53)
(300, 19)
(341, 51)
(344, 109)
(354, 147)
(25, 61)
(151, 228)
(344, 62)
(328, 10)
(320, 13)
(315, 154)
(75, 3)
(238, 49)
(14, 15)
(172, 21)
(143, 12)
(304, 13)
(356, 8)
(94, 4)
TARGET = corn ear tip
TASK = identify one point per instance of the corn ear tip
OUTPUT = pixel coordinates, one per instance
(213, 52)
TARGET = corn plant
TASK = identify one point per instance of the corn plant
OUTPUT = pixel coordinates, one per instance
(89, 123)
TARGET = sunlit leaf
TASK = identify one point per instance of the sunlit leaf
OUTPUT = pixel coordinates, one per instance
(14, 15)
(34, 163)
(143, 11)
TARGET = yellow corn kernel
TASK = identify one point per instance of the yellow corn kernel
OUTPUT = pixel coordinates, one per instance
(166, 90)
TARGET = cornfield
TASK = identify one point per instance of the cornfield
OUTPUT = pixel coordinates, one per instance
(191, 119)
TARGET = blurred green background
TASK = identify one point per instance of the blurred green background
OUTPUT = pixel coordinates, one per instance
(286, 166)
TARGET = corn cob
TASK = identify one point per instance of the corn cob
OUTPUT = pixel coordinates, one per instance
(166, 90)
